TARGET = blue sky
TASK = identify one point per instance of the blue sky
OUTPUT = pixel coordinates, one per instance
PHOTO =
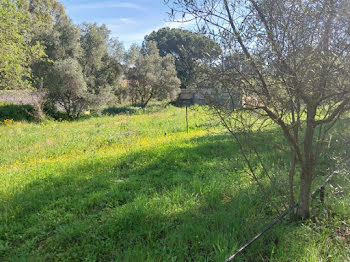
(130, 20)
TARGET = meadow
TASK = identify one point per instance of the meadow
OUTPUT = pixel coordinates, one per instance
(138, 187)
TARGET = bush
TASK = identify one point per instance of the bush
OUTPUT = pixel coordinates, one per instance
(16, 112)
(67, 87)
(116, 110)
(154, 106)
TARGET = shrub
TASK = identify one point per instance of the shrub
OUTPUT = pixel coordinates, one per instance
(116, 110)
(16, 112)
(67, 87)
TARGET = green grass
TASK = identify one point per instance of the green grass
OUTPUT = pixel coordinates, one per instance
(137, 187)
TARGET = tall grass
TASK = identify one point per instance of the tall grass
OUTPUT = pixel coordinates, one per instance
(137, 187)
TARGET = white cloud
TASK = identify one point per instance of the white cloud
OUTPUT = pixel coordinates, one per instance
(127, 21)
(107, 4)
(130, 31)
(185, 23)
(115, 24)
(136, 37)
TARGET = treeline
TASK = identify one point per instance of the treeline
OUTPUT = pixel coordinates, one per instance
(75, 66)
(82, 66)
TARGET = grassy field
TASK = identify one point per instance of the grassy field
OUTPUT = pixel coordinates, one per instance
(137, 187)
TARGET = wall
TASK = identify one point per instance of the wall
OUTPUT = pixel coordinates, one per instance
(208, 96)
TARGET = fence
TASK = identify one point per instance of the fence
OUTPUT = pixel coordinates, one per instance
(320, 189)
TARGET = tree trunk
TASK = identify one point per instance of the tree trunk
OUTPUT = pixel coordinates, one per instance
(291, 183)
(308, 167)
(304, 194)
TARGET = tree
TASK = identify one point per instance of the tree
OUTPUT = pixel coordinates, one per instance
(15, 53)
(89, 44)
(67, 87)
(45, 18)
(61, 41)
(298, 53)
(114, 69)
(189, 49)
(101, 61)
(94, 44)
(152, 76)
(116, 50)
(132, 55)
(43, 12)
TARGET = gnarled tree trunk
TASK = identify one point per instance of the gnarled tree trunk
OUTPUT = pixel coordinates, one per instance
(308, 166)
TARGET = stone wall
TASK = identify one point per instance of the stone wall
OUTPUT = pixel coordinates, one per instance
(207, 97)
(22, 97)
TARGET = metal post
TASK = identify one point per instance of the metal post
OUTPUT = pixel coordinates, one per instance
(186, 120)
(322, 194)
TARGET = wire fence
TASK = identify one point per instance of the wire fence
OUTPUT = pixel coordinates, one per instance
(280, 217)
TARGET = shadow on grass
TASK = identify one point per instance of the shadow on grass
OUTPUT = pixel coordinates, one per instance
(175, 203)
(116, 110)
(135, 109)
(16, 112)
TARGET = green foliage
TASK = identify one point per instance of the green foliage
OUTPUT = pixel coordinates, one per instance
(100, 61)
(68, 88)
(94, 44)
(16, 112)
(30, 26)
(116, 110)
(189, 49)
(135, 109)
(61, 41)
(132, 55)
(122, 188)
(116, 49)
(15, 53)
(29, 30)
(152, 76)
(43, 11)
(89, 45)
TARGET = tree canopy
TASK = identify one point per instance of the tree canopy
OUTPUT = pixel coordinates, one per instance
(151, 76)
(43, 11)
(15, 53)
(67, 87)
(188, 48)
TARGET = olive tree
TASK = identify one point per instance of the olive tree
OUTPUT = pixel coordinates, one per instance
(101, 62)
(61, 41)
(68, 88)
(151, 76)
(296, 73)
